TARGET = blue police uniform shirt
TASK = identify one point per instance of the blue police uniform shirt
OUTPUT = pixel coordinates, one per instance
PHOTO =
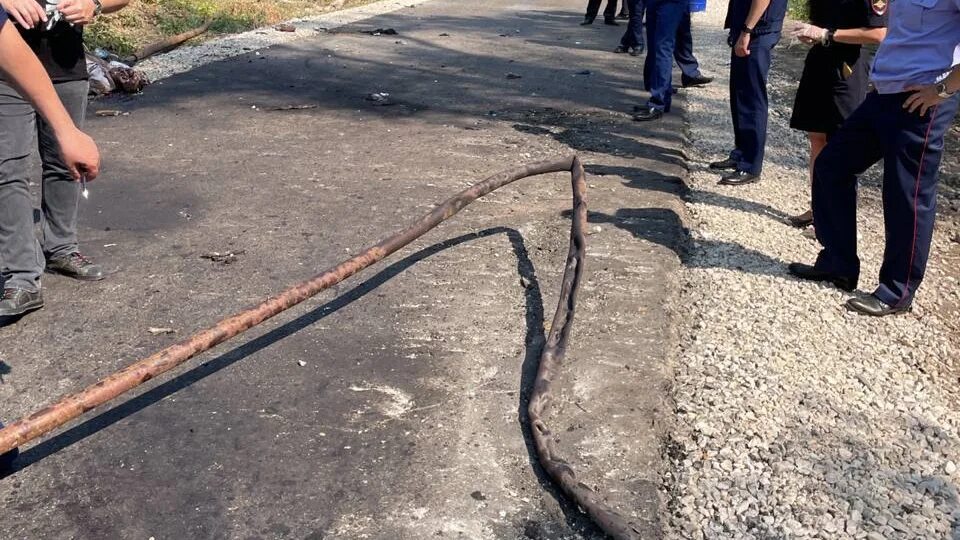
(3, 17)
(771, 21)
(921, 47)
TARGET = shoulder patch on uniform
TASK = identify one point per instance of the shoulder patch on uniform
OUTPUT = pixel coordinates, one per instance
(879, 6)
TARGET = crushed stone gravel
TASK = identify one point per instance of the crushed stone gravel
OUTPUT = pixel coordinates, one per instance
(795, 417)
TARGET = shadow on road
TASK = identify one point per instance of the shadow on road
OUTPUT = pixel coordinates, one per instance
(533, 341)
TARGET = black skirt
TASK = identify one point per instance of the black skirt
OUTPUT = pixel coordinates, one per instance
(833, 84)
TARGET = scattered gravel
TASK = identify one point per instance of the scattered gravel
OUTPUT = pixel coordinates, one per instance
(796, 418)
(190, 57)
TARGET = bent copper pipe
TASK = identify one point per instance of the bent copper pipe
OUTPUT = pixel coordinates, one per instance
(74, 405)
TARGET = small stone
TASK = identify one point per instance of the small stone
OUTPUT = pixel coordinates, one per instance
(478, 496)
(950, 467)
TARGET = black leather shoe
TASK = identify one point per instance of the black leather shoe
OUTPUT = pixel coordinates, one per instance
(688, 82)
(871, 305)
(587, 20)
(621, 49)
(724, 164)
(623, 15)
(812, 273)
(647, 114)
(16, 302)
(738, 178)
(610, 21)
(75, 266)
(636, 51)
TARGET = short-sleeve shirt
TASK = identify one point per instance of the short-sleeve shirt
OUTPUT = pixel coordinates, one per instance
(921, 47)
(60, 50)
(770, 22)
(844, 14)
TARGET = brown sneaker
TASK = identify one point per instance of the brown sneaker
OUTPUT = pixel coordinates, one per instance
(76, 266)
(16, 302)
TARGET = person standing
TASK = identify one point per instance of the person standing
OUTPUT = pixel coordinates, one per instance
(836, 71)
(754, 27)
(78, 151)
(670, 33)
(60, 50)
(632, 41)
(609, 13)
(902, 121)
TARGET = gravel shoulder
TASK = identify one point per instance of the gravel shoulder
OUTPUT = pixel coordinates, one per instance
(796, 418)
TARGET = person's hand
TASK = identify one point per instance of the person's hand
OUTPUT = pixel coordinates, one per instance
(27, 13)
(809, 34)
(922, 99)
(78, 12)
(742, 47)
(80, 154)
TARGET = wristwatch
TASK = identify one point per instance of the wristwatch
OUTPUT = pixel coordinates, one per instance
(942, 91)
(98, 8)
(747, 30)
(828, 37)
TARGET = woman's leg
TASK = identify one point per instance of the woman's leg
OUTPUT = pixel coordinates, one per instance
(817, 142)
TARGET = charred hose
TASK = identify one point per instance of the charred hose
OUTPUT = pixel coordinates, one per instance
(74, 405)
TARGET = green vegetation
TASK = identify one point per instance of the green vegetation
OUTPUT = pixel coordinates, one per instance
(799, 9)
(147, 21)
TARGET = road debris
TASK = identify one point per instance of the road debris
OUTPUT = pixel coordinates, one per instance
(285, 27)
(111, 112)
(294, 107)
(159, 330)
(228, 257)
(379, 98)
(514, 76)
(380, 32)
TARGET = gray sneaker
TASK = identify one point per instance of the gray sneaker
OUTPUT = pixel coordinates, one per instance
(16, 302)
(76, 266)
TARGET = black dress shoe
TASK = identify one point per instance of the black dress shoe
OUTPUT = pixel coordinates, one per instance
(621, 49)
(610, 21)
(646, 114)
(724, 164)
(636, 51)
(688, 82)
(871, 305)
(738, 178)
(623, 15)
(76, 266)
(587, 20)
(812, 273)
(16, 302)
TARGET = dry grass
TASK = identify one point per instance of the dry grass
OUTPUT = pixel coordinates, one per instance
(146, 21)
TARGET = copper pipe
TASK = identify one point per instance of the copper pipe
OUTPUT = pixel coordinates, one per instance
(74, 405)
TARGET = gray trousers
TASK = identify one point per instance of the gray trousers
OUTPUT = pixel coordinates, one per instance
(22, 133)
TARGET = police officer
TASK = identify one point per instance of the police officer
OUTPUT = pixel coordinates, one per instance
(609, 13)
(836, 71)
(632, 40)
(633, 43)
(916, 79)
(754, 27)
(663, 22)
(60, 49)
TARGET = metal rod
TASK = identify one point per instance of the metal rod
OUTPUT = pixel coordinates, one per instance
(74, 405)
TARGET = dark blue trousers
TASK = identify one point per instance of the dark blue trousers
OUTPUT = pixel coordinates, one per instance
(633, 37)
(749, 103)
(683, 49)
(911, 147)
(663, 20)
(683, 53)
